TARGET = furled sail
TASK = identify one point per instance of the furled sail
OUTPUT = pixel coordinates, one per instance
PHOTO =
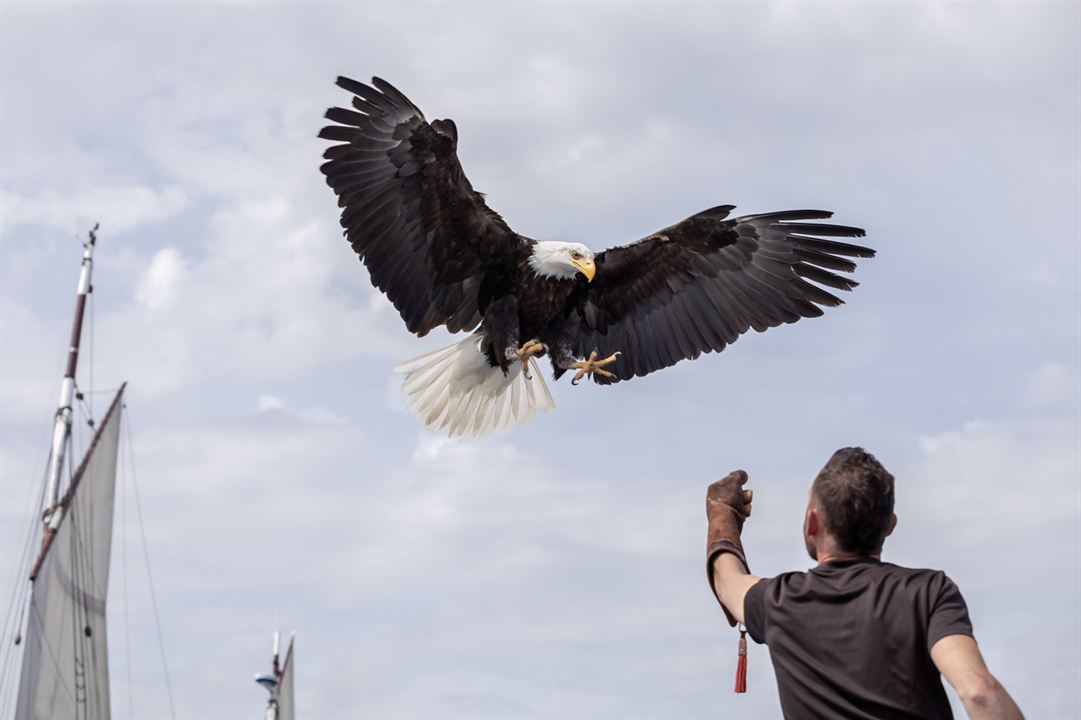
(65, 670)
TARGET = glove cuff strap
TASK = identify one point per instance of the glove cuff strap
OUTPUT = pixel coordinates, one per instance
(717, 548)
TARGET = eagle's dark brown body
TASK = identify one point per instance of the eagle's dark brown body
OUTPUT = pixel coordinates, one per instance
(539, 307)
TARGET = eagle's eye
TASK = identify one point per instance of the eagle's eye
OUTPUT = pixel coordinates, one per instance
(575, 255)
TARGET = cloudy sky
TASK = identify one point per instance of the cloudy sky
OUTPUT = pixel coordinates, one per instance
(556, 571)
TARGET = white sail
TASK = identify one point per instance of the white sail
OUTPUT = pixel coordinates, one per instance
(65, 670)
(286, 709)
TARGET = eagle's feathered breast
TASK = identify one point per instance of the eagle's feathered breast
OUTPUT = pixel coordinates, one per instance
(540, 302)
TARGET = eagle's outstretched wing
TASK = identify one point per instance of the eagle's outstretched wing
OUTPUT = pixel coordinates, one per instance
(698, 285)
(425, 235)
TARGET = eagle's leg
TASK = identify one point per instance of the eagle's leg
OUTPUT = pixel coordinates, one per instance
(531, 348)
(592, 365)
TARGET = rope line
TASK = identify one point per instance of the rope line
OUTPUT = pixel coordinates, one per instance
(15, 617)
(146, 557)
(35, 616)
(19, 609)
(125, 478)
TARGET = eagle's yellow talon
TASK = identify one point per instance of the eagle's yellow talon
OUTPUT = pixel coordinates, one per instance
(592, 365)
(528, 350)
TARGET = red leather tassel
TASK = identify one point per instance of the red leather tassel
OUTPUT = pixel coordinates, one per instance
(741, 664)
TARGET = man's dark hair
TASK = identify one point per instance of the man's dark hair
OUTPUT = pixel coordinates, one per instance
(855, 495)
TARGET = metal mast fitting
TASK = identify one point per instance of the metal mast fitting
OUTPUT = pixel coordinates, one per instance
(270, 682)
(62, 424)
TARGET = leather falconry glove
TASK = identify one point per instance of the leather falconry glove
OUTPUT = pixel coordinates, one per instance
(727, 506)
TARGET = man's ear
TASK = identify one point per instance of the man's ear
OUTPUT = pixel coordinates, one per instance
(893, 524)
(812, 525)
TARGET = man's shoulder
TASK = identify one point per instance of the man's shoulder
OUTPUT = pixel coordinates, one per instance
(928, 575)
(813, 596)
(904, 569)
(786, 582)
(868, 570)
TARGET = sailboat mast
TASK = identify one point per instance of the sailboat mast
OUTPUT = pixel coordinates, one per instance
(270, 682)
(277, 641)
(62, 423)
(279, 683)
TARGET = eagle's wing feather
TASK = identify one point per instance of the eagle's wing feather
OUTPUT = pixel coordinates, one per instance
(698, 285)
(425, 235)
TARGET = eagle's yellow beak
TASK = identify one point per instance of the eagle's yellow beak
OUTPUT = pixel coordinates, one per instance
(586, 267)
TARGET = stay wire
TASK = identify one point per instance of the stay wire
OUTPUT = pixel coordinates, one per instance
(16, 617)
(13, 627)
(35, 617)
(17, 605)
(125, 491)
(18, 609)
(146, 557)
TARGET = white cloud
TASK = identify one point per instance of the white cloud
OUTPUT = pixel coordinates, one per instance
(321, 416)
(1052, 384)
(157, 289)
(120, 208)
(1043, 275)
(269, 402)
(1020, 475)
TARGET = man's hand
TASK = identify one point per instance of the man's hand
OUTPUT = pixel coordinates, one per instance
(729, 491)
(728, 505)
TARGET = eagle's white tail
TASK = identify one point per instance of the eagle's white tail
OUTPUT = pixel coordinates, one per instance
(455, 388)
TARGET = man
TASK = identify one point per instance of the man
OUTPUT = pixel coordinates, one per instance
(853, 637)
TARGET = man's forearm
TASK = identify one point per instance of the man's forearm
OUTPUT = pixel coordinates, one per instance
(988, 700)
(731, 581)
(959, 660)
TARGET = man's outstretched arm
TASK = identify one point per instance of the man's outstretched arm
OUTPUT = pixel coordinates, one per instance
(728, 505)
(959, 660)
(731, 581)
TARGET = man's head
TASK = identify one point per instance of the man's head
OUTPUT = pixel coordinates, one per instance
(850, 508)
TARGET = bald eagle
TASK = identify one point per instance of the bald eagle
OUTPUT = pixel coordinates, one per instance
(444, 258)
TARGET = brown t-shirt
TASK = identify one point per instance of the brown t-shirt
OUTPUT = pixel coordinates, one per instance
(852, 638)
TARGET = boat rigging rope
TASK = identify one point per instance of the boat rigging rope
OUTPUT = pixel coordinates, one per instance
(124, 580)
(36, 619)
(146, 557)
(15, 618)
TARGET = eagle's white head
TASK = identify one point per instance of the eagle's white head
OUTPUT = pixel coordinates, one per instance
(563, 260)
